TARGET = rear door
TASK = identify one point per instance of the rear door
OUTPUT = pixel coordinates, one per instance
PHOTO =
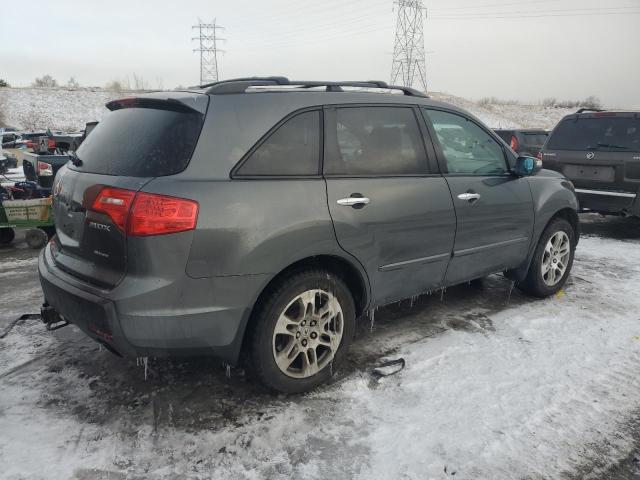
(390, 208)
(494, 209)
(139, 140)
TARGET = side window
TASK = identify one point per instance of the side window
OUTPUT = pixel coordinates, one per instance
(376, 141)
(293, 149)
(467, 148)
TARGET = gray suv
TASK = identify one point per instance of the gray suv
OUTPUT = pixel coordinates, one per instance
(258, 218)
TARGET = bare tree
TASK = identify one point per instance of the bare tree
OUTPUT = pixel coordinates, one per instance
(114, 86)
(46, 81)
(73, 84)
(139, 83)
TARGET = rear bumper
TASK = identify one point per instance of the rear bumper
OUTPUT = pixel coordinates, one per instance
(135, 319)
(603, 201)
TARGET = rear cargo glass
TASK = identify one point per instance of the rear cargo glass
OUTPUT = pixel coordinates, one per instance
(535, 138)
(141, 142)
(613, 134)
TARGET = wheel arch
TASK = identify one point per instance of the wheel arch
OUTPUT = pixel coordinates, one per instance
(571, 215)
(353, 275)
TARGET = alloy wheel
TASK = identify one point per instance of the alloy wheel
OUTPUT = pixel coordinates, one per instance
(308, 333)
(555, 258)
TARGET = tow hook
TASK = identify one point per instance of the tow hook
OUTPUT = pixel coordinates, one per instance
(51, 319)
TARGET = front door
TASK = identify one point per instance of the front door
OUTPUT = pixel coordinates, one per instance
(494, 208)
(390, 208)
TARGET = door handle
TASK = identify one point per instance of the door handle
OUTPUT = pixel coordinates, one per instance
(353, 201)
(469, 196)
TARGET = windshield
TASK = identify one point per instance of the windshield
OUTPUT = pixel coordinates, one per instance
(140, 142)
(603, 133)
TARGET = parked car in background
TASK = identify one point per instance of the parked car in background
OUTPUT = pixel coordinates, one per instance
(524, 141)
(599, 151)
(262, 216)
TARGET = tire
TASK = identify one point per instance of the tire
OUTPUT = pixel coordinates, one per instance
(50, 231)
(7, 235)
(323, 343)
(36, 238)
(548, 258)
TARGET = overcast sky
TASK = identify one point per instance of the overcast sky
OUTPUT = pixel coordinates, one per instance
(511, 49)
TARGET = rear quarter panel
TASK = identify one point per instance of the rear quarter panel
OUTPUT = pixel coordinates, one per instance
(251, 227)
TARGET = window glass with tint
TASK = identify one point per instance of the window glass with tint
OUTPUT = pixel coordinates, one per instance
(467, 148)
(293, 149)
(141, 142)
(535, 138)
(612, 134)
(376, 141)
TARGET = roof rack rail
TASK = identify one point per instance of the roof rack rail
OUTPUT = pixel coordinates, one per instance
(582, 110)
(240, 85)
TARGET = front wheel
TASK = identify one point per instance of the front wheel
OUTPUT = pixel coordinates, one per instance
(552, 260)
(302, 331)
(7, 235)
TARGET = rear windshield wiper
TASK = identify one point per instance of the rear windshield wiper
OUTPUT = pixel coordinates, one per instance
(607, 145)
(74, 159)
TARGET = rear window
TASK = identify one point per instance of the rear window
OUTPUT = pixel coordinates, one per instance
(605, 133)
(141, 142)
(535, 138)
(293, 149)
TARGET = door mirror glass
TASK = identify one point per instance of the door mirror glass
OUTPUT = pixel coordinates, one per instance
(526, 166)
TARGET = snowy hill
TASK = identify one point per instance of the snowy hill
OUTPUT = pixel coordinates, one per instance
(514, 115)
(64, 109)
(58, 109)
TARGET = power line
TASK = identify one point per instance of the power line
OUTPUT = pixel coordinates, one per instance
(542, 15)
(565, 10)
(208, 48)
(409, 65)
(491, 5)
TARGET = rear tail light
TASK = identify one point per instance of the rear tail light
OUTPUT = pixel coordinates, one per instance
(30, 144)
(157, 215)
(514, 144)
(116, 203)
(539, 156)
(51, 144)
(144, 214)
(44, 169)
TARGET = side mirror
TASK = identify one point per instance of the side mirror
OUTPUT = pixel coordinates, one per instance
(527, 166)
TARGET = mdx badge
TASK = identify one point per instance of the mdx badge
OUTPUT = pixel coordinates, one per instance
(100, 226)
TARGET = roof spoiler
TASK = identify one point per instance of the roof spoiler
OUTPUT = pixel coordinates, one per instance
(240, 85)
(582, 110)
(186, 104)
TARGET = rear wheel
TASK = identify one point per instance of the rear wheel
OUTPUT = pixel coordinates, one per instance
(303, 331)
(36, 238)
(552, 260)
(7, 235)
(50, 231)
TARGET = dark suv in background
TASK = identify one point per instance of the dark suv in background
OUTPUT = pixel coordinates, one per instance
(524, 141)
(599, 151)
(265, 215)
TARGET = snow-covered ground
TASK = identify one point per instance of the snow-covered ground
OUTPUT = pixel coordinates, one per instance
(38, 108)
(496, 386)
